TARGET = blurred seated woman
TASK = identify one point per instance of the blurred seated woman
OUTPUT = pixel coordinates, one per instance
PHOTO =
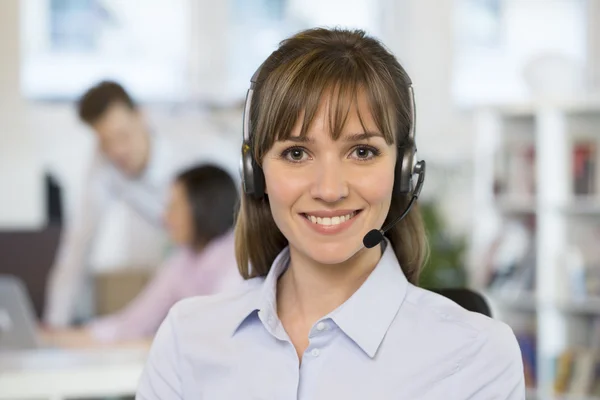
(199, 220)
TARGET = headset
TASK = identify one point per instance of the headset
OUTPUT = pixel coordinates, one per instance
(407, 165)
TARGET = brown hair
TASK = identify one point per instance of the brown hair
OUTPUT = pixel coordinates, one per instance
(291, 82)
(213, 196)
(94, 103)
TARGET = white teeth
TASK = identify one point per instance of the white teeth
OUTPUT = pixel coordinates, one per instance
(330, 221)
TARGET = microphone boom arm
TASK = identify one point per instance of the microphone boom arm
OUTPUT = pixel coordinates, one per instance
(375, 236)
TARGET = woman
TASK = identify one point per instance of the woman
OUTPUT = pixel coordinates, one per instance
(322, 316)
(199, 219)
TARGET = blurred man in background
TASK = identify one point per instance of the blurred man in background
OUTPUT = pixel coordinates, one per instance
(131, 163)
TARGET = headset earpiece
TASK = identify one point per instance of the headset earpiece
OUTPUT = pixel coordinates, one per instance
(407, 153)
(405, 167)
(253, 179)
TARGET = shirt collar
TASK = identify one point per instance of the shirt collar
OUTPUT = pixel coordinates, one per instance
(365, 317)
(157, 159)
(264, 301)
(268, 298)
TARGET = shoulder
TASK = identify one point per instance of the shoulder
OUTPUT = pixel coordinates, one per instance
(178, 258)
(99, 165)
(214, 316)
(218, 257)
(223, 246)
(178, 254)
(100, 173)
(473, 355)
(437, 306)
(476, 334)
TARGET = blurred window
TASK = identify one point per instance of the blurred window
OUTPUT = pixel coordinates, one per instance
(496, 39)
(68, 45)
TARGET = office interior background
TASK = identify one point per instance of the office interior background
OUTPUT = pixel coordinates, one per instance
(508, 119)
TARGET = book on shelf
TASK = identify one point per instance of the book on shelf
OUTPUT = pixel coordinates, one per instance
(580, 262)
(528, 345)
(584, 168)
(511, 259)
(578, 368)
(578, 372)
(516, 171)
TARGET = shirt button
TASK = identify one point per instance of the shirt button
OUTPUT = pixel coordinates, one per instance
(315, 352)
(321, 326)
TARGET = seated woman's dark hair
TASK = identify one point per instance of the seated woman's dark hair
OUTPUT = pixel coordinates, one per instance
(213, 197)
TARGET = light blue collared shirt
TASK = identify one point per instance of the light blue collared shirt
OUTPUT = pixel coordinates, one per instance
(390, 340)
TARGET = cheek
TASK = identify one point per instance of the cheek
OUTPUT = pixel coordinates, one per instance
(182, 232)
(179, 223)
(187, 222)
(130, 145)
(284, 189)
(376, 188)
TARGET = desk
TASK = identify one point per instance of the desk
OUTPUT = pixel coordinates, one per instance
(66, 373)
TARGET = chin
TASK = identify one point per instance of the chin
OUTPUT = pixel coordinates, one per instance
(335, 252)
(128, 168)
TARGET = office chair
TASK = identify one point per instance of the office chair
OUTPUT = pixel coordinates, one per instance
(467, 299)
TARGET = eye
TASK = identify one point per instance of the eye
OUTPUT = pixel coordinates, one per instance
(294, 154)
(365, 153)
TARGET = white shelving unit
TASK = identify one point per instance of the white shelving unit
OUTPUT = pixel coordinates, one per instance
(549, 125)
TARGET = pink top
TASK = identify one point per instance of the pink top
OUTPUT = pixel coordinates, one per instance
(184, 274)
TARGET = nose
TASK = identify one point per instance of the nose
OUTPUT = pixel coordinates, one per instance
(330, 183)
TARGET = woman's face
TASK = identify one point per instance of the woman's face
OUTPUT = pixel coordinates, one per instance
(326, 194)
(178, 216)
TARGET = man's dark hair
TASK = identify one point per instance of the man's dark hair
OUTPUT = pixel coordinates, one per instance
(213, 198)
(94, 103)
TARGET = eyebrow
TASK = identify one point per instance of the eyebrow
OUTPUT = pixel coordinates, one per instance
(356, 137)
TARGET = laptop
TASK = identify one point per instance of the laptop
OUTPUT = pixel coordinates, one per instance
(18, 327)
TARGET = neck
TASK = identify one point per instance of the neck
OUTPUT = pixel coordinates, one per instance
(309, 290)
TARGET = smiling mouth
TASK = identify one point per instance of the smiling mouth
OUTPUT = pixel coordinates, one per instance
(331, 221)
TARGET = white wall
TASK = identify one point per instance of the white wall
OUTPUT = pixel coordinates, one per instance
(21, 185)
(593, 43)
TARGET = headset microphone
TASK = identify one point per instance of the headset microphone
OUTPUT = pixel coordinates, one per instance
(375, 236)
